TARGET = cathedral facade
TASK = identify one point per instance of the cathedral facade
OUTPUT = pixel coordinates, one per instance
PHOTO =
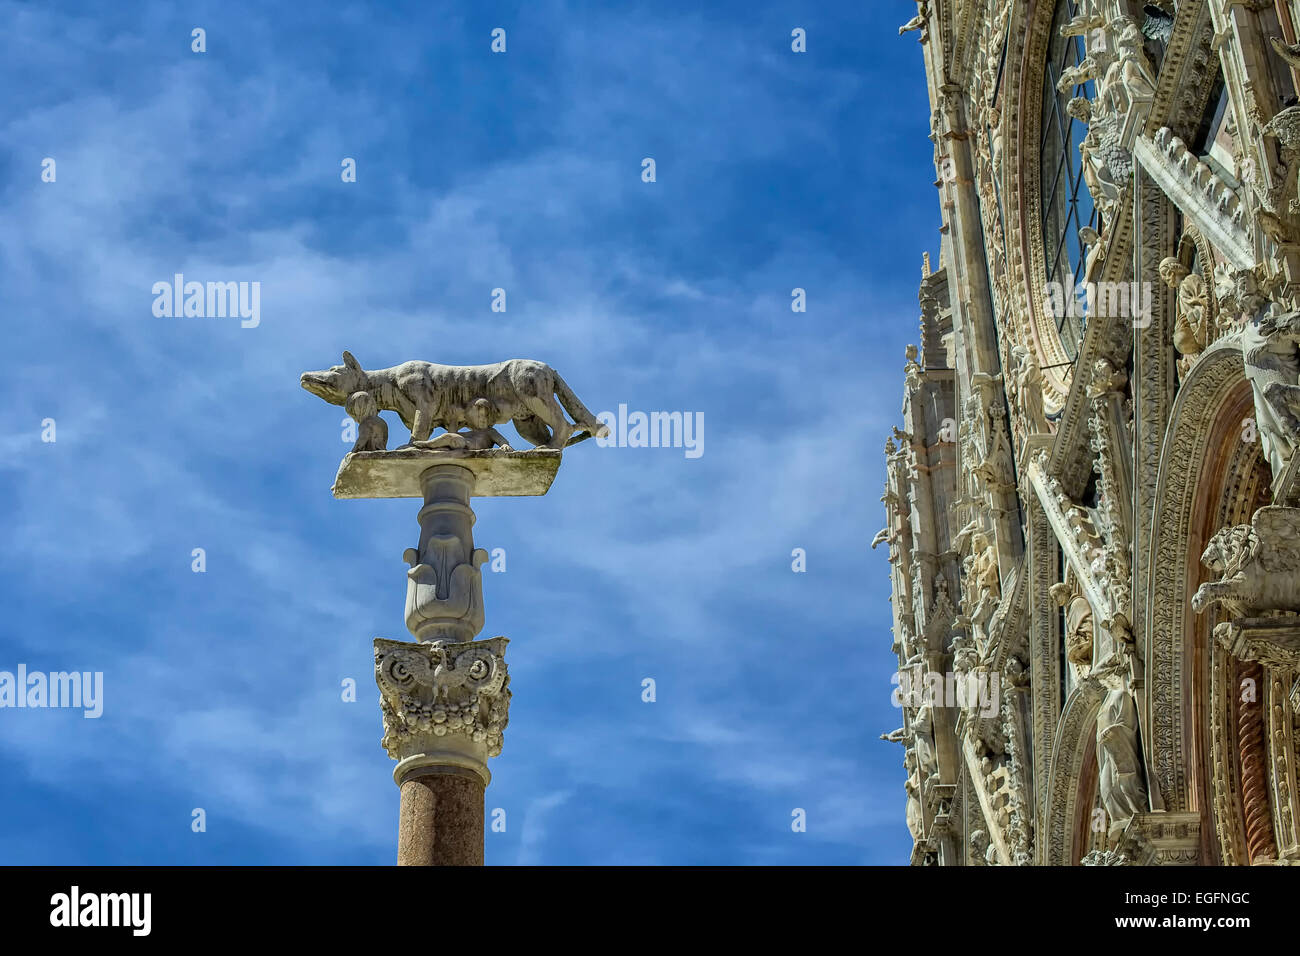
(1093, 502)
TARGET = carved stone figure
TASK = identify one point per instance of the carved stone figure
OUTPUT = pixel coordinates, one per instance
(965, 655)
(995, 134)
(982, 577)
(1190, 331)
(919, 22)
(1083, 24)
(915, 820)
(1123, 790)
(426, 395)
(1028, 386)
(432, 694)
(1270, 346)
(1239, 295)
(1157, 24)
(1287, 51)
(372, 431)
(1106, 164)
(995, 467)
(1078, 632)
(1075, 75)
(1129, 79)
(480, 436)
(922, 730)
(1285, 125)
(1096, 251)
(1258, 565)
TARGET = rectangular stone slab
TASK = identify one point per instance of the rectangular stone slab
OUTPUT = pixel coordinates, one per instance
(396, 473)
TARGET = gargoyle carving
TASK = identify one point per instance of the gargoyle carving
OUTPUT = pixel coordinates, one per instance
(1258, 565)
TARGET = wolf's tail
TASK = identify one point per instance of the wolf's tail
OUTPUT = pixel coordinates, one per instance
(576, 409)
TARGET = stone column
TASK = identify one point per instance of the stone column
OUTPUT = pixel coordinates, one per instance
(441, 818)
(445, 709)
(445, 697)
(444, 591)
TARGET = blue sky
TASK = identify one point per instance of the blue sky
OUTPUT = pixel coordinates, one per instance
(475, 170)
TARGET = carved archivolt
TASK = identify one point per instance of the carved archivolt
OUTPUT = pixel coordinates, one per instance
(1074, 741)
(1030, 35)
(1205, 429)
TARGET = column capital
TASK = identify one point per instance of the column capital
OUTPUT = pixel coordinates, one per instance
(444, 705)
(1159, 838)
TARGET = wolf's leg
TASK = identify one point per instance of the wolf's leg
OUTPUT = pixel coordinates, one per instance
(423, 426)
(549, 411)
(531, 428)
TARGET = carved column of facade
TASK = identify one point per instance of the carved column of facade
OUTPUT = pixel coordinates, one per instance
(1255, 788)
(1111, 442)
(897, 535)
(1153, 394)
(932, 489)
(975, 326)
(1284, 750)
(1044, 657)
(1015, 692)
(920, 495)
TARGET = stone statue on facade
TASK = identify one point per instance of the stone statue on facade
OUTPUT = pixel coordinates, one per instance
(915, 818)
(922, 730)
(1270, 346)
(1107, 166)
(1123, 789)
(1027, 389)
(1129, 80)
(1078, 632)
(1191, 332)
(982, 582)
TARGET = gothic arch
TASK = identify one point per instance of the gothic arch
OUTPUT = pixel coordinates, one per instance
(1189, 730)
(1031, 28)
(1059, 843)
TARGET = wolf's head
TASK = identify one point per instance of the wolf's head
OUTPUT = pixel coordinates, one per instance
(337, 383)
